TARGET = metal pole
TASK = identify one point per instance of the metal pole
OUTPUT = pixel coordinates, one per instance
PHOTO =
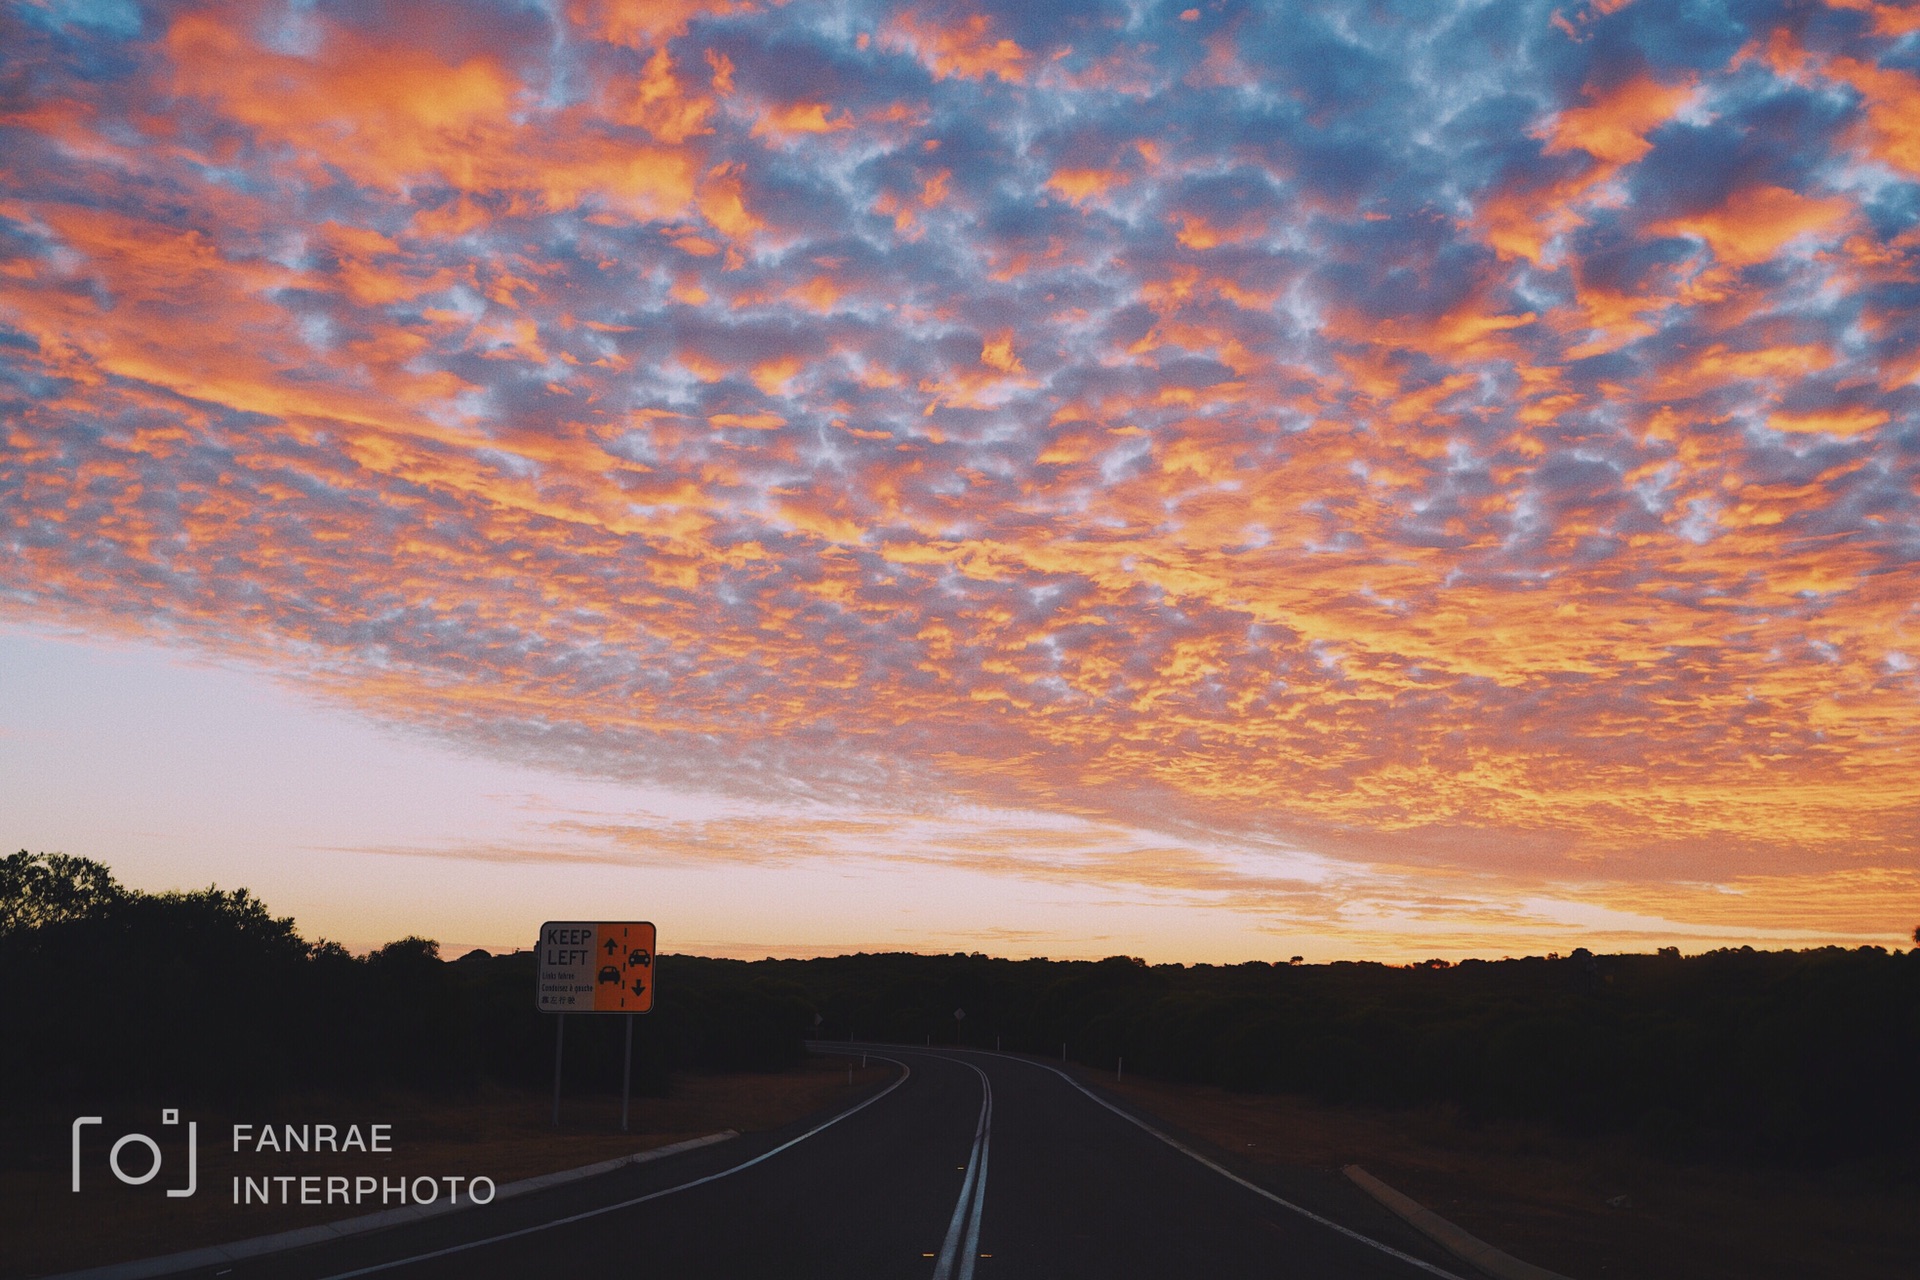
(1120, 1071)
(626, 1075)
(559, 1042)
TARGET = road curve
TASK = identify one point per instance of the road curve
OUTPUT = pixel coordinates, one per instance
(973, 1166)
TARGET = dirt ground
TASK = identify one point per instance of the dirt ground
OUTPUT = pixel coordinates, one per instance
(499, 1134)
(1588, 1210)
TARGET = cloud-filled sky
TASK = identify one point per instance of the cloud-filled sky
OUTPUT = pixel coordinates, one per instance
(1402, 476)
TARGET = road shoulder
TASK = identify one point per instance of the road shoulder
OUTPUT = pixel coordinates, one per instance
(1469, 1248)
(282, 1241)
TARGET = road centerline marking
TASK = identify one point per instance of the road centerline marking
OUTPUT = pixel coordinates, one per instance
(973, 1191)
(1225, 1172)
(972, 1249)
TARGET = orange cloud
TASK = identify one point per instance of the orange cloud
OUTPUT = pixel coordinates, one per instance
(640, 24)
(1520, 218)
(1613, 126)
(1754, 223)
(1196, 233)
(968, 49)
(997, 353)
(1838, 422)
(400, 111)
(387, 116)
(749, 421)
(722, 202)
(1892, 99)
(1081, 185)
(1888, 19)
(801, 118)
(661, 104)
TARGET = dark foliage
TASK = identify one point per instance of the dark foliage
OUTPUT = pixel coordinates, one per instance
(38, 889)
(1807, 1056)
(108, 993)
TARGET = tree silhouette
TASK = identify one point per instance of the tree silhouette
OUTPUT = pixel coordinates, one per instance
(39, 889)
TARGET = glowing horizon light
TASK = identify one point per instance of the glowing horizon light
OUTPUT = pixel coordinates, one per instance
(1424, 485)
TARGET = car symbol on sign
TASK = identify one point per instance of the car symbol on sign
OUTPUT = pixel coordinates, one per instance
(609, 974)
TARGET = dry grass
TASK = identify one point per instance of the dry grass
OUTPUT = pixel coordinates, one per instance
(1558, 1203)
(500, 1134)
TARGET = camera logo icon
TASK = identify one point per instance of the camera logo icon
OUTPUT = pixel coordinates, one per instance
(168, 1116)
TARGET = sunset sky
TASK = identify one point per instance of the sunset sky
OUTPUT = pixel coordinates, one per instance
(1352, 479)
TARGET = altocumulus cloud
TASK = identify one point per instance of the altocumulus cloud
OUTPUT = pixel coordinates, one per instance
(1478, 437)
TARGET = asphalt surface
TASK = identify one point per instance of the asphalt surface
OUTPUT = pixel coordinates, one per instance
(974, 1167)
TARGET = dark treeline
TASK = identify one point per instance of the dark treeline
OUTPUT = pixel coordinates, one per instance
(111, 993)
(1807, 1056)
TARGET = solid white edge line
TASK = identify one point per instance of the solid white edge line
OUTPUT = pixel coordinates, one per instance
(943, 1266)
(905, 1071)
(1461, 1244)
(1227, 1173)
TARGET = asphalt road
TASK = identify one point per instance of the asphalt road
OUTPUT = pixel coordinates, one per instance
(973, 1167)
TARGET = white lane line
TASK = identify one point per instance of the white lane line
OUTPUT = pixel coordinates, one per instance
(282, 1241)
(905, 1071)
(973, 1187)
(980, 1187)
(1229, 1174)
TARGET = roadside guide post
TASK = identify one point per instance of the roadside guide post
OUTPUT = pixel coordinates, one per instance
(589, 966)
(559, 1043)
(959, 1016)
(626, 1074)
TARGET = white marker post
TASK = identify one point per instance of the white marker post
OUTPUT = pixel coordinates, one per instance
(626, 1075)
(559, 1043)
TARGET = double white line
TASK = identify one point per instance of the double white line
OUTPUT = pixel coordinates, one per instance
(973, 1195)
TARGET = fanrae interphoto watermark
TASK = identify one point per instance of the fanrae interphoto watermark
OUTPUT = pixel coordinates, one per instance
(136, 1159)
